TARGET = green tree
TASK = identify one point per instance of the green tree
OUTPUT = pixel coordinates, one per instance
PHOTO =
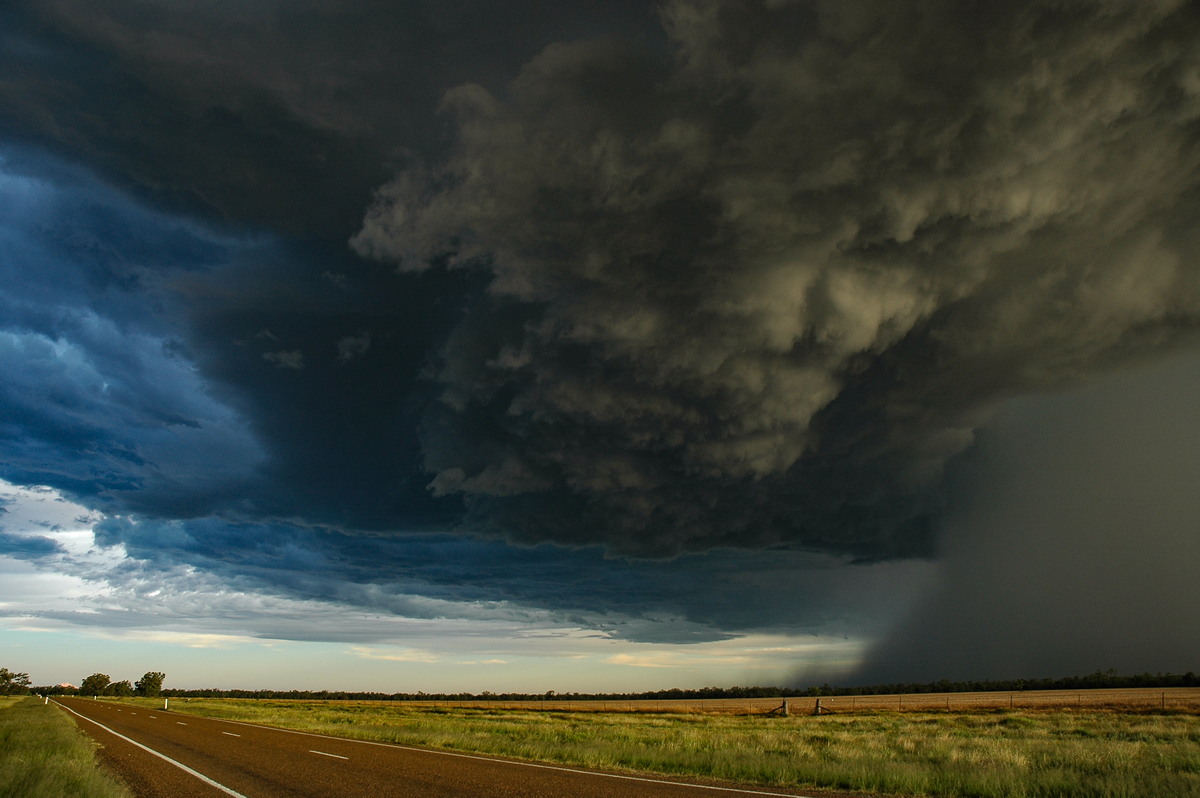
(95, 684)
(122, 689)
(12, 683)
(150, 684)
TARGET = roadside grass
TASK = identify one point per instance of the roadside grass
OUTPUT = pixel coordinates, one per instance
(989, 754)
(43, 755)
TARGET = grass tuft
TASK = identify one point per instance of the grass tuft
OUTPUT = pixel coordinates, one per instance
(43, 755)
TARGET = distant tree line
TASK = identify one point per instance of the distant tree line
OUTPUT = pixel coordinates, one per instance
(344, 695)
(98, 684)
(151, 684)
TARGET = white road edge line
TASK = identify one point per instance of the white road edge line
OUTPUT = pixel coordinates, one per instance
(179, 765)
(734, 790)
(322, 753)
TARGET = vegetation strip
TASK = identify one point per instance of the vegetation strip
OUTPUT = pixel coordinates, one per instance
(43, 755)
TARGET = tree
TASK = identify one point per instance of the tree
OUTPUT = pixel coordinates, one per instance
(121, 689)
(12, 683)
(150, 684)
(95, 684)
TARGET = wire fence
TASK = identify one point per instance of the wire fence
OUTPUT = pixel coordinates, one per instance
(1147, 698)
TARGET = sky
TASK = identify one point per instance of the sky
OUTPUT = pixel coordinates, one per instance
(600, 346)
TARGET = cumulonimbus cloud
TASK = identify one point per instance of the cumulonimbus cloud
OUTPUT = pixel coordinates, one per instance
(759, 290)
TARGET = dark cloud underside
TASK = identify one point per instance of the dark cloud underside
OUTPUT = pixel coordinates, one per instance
(760, 293)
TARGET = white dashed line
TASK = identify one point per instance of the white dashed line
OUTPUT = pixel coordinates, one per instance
(322, 753)
(231, 734)
(180, 723)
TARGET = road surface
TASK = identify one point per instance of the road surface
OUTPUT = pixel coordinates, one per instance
(182, 756)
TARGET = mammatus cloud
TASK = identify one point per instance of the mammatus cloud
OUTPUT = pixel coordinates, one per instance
(760, 292)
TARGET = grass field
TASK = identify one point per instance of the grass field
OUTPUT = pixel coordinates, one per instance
(43, 755)
(994, 752)
(1183, 698)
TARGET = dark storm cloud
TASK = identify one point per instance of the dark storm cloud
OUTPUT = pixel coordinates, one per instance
(278, 113)
(282, 115)
(233, 155)
(761, 292)
(98, 396)
(151, 362)
(728, 279)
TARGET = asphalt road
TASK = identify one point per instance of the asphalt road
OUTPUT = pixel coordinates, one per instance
(167, 755)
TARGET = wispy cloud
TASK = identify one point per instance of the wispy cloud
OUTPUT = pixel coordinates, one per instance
(394, 654)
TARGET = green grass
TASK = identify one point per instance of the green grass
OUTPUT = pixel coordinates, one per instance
(998, 754)
(43, 755)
